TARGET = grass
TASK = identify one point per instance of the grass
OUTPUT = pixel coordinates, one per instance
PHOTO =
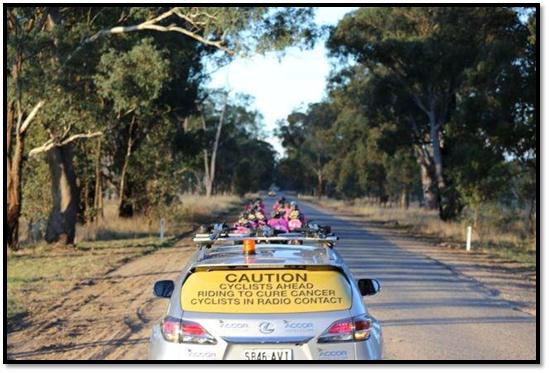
(39, 277)
(45, 266)
(496, 234)
(190, 211)
(39, 274)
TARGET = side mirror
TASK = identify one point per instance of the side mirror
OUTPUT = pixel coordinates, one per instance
(163, 288)
(369, 287)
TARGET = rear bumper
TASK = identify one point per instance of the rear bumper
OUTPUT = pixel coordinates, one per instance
(371, 349)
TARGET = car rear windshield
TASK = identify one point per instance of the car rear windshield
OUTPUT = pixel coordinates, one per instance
(266, 291)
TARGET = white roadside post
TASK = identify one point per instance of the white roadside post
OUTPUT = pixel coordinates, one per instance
(162, 224)
(468, 244)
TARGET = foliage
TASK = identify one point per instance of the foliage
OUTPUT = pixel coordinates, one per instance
(424, 70)
(138, 88)
(132, 80)
(246, 163)
(438, 100)
(426, 100)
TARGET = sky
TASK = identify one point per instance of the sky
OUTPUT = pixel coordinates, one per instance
(281, 85)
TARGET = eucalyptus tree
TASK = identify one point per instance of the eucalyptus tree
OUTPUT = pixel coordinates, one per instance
(132, 81)
(307, 138)
(54, 53)
(422, 56)
(494, 129)
(228, 132)
(232, 30)
(37, 88)
(210, 157)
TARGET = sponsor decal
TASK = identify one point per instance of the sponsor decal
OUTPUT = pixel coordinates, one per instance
(232, 324)
(332, 354)
(266, 327)
(295, 325)
(200, 354)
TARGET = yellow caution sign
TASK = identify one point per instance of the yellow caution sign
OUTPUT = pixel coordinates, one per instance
(266, 291)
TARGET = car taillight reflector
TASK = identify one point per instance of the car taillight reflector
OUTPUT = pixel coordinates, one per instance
(341, 327)
(354, 329)
(192, 329)
(184, 331)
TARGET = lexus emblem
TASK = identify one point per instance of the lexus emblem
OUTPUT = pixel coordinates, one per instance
(266, 327)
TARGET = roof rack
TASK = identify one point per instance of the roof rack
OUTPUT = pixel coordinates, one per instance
(222, 233)
(208, 239)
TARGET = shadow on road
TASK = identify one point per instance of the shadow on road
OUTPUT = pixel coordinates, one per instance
(428, 309)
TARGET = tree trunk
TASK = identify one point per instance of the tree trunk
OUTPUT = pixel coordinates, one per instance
(30, 230)
(208, 182)
(427, 183)
(214, 151)
(123, 209)
(86, 205)
(127, 208)
(476, 214)
(14, 165)
(437, 158)
(320, 181)
(430, 160)
(427, 179)
(404, 197)
(62, 219)
(197, 183)
(207, 179)
(98, 197)
(449, 203)
(532, 218)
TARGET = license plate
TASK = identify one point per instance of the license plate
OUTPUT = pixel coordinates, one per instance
(268, 354)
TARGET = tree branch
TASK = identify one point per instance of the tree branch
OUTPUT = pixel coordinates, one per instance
(43, 148)
(66, 131)
(51, 143)
(218, 43)
(152, 24)
(419, 103)
(30, 117)
(81, 136)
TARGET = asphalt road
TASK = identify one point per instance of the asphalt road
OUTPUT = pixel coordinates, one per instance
(427, 312)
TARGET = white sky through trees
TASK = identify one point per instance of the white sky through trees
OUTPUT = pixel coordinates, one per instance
(280, 85)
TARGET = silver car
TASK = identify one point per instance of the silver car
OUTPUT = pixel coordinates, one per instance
(277, 301)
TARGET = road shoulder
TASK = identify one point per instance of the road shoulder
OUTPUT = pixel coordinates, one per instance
(109, 319)
(507, 280)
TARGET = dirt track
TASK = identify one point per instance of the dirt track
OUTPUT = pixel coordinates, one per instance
(110, 318)
(436, 303)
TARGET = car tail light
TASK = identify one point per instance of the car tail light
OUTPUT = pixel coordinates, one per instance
(363, 326)
(184, 331)
(170, 329)
(354, 329)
